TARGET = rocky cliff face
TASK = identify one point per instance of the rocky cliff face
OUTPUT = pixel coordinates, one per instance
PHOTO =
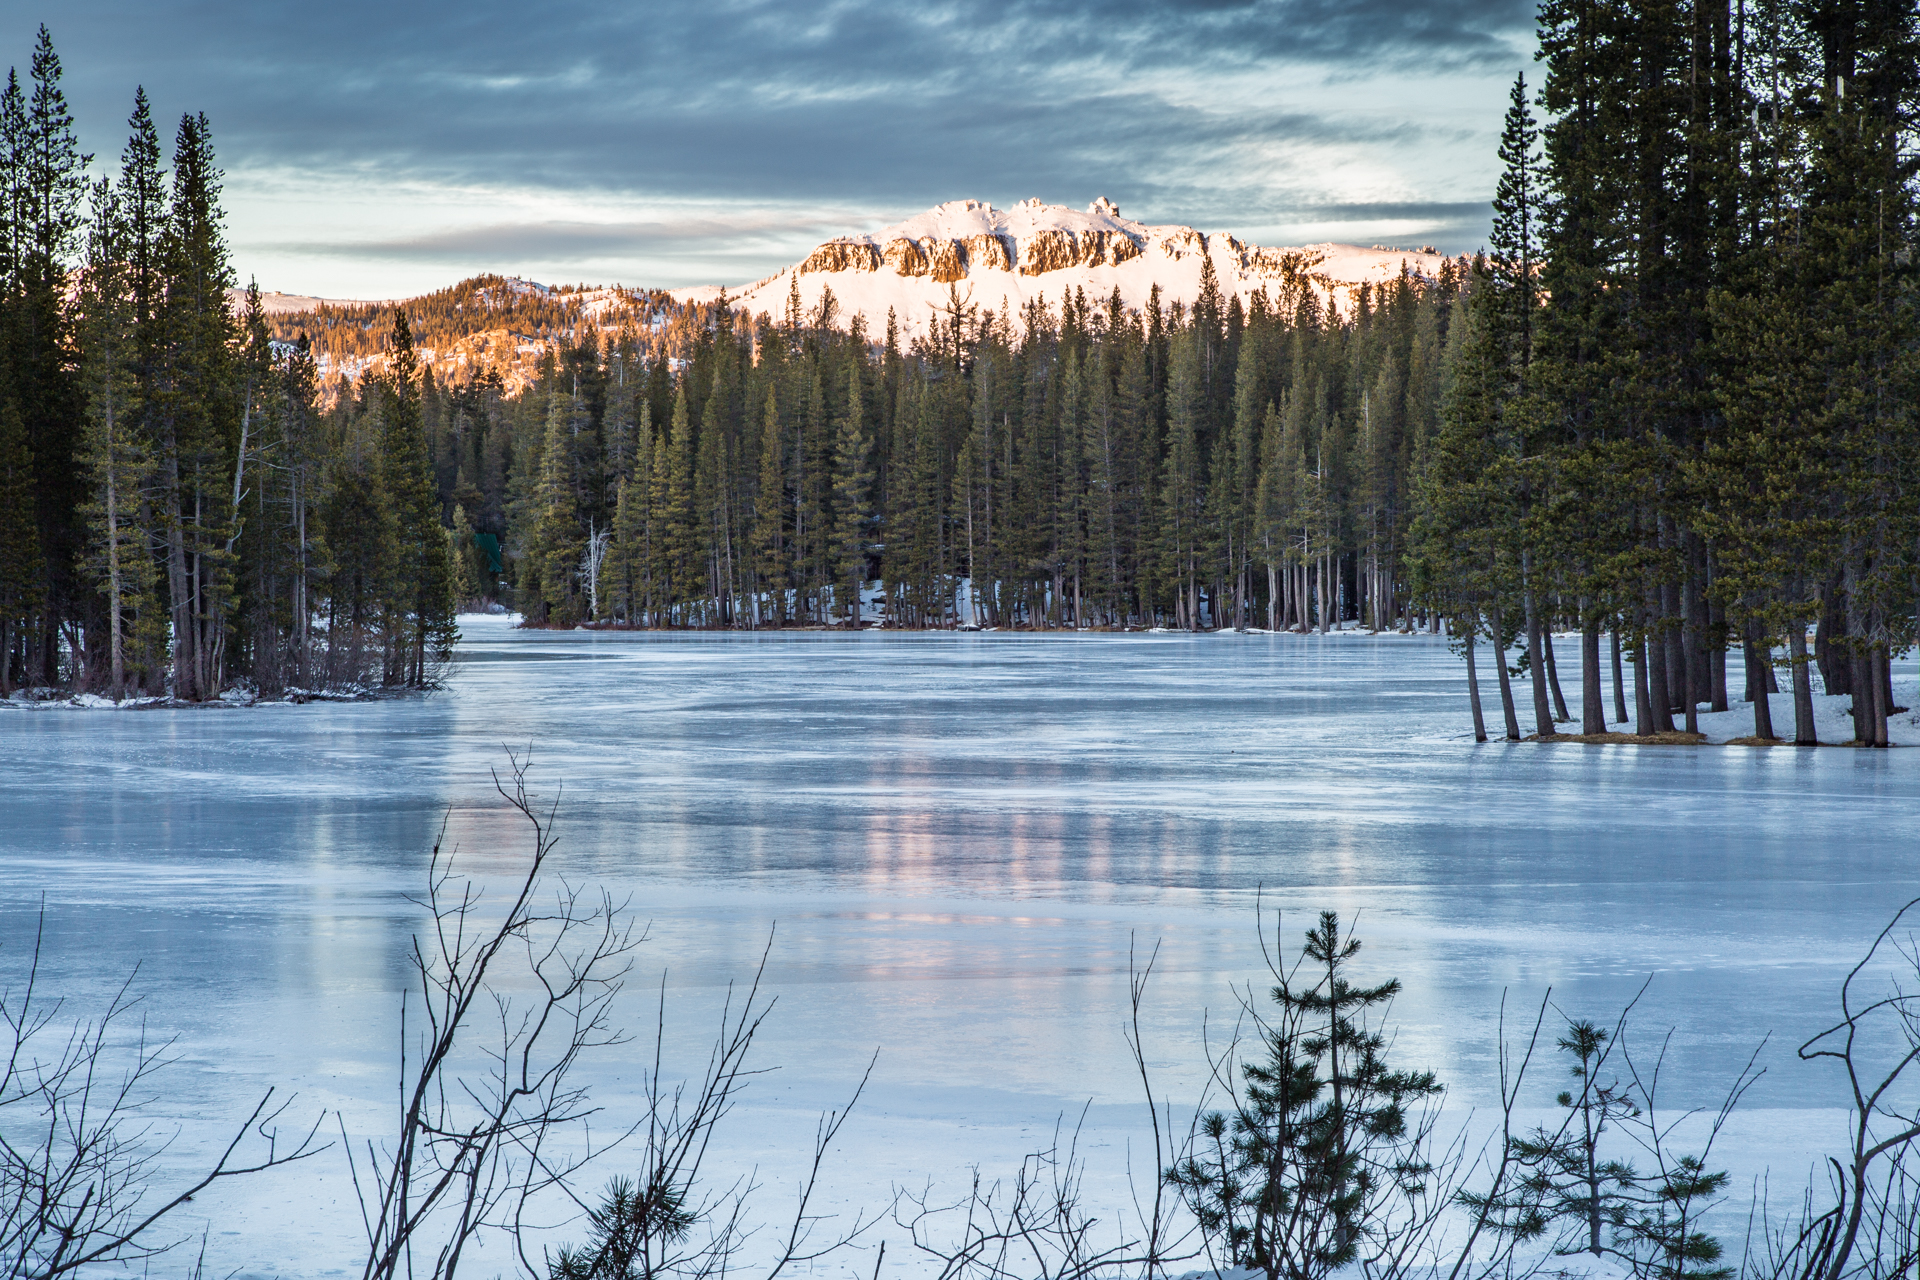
(942, 259)
(1040, 251)
(842, 255)
(1058, 250)
(990, 252)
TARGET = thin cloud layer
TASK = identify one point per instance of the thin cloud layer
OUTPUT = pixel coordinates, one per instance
(1233, 115)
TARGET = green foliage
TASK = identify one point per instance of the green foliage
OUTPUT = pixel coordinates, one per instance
(1296, 1178)
(626, 1233)
(1579, 1191)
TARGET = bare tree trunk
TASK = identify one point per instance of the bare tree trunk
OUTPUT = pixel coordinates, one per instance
(1619, 691)
(1658, 690)
(1805, 733)
(1864, 691)
(1506, 684)
(1593, 706)
(1560, 715)
(1537, 670)
(1755, 655)
(1882, 691)
(1643, 699)
(1473, 685)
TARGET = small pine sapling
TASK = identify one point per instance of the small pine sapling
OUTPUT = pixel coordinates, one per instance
(1296, 1177)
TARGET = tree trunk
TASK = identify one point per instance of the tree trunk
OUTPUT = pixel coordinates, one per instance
(1473, 686)
(1717, 656)
(1593, 704)
(1643, 699)
(1537, 669)
(1882, 693)
(1748, 645)
(1658, 684)
(1560, 715)
(1756, 687)
(1863, 696)
(179, 612)
(1506, 684)
(1804, 732)
(1836, 673)
(1695, 627)
(114, 605)
(1619, 691)
(1324, 593)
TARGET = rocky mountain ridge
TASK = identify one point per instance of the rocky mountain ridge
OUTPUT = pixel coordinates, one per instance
(1039, 251)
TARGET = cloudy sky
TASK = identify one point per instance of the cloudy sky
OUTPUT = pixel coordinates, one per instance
(383, 149)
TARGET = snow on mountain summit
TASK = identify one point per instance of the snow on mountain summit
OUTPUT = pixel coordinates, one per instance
(964, 219)
(993, 257)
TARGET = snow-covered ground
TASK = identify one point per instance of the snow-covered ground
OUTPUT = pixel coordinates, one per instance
(1832, 718)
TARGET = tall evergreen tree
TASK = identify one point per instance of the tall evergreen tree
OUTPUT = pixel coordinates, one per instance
(47, 180)
(852, 474)
(118, 465)
(423, 603)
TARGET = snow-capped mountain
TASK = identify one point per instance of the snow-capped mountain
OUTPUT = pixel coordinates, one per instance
(1037, 250)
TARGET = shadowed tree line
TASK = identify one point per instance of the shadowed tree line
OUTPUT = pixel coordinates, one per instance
(1681, 417)
(1670, 410)
(177, 511)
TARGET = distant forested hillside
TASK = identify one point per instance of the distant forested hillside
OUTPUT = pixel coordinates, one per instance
(491, 322)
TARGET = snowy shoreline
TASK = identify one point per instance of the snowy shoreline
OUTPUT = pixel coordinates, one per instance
(50, 699)
(1832, 719)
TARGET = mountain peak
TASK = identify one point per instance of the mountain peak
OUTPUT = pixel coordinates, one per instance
(1037, 251)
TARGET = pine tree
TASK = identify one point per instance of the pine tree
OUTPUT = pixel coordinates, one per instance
(554, 548)
(771, 505)
(852, 475)
(1318, 1142)
(47, 193)
(302, 462)
(189, 391)
(674, 501)
(423, 579)
(20, 560)
(117, 462)
(1182, 489)
(360, 534)
(460, 551)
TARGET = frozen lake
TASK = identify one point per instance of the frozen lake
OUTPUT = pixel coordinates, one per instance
(957, 838)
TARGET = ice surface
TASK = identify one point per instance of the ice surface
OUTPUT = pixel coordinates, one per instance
(958, 838)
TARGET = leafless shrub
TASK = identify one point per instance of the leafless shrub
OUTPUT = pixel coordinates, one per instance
(667, 1221)
(1035, 1225)
(487, 1087)
(1865, 1222)
(495, 1130)
(1031, 1226)
(79, 1152)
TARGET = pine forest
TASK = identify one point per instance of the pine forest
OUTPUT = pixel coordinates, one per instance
(1670, 408)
